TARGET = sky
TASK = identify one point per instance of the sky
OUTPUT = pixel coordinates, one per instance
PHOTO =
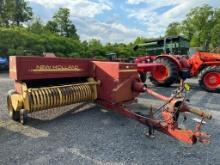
(119, 20)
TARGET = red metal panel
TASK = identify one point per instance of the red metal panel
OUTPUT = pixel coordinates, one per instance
(148, 67)
(116, 70)
(26, 68)
(13, 68)
(116, 78)
(127, 69)
(116, 81)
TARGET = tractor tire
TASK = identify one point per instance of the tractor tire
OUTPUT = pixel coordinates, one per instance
(143, 77)
(165, 76)
(209, 79)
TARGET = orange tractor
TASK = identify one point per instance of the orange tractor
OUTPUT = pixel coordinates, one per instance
(175, 67)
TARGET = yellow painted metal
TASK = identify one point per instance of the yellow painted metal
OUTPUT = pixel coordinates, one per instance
(16, 101)
(93, 92)
(37, 99)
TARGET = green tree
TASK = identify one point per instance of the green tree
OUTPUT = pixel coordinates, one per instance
(6, 12)
(22, 12)
(84, 49)
(173, 29)
(20, 40)
(215, 33)
(52, 26)
(188, 29)
(36, 26)
(139, 40)
(62, 24)
(198, 24)
(14, 12)
(95, 48)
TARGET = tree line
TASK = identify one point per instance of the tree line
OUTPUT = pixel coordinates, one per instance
(21, 33)
(201, 26)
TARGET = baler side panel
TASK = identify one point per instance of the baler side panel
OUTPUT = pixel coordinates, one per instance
(116, 81)
(47, 68)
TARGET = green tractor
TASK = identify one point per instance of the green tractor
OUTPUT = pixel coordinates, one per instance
(167, 45)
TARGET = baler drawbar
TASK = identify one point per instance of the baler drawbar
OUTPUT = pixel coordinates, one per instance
(48, 82)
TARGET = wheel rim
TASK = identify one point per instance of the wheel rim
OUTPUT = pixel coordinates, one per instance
(161, 73)
(212, 80)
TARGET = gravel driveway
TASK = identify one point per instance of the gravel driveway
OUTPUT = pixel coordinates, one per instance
(96, 136)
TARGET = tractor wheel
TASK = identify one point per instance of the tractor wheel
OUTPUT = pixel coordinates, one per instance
(143, 77)
(12, 113)
(166, 75)
(209, 79)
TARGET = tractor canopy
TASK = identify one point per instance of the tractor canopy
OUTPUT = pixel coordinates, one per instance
(177, 45)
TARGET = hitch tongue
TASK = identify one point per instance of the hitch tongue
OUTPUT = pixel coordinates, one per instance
(198, 112)
(170, 112)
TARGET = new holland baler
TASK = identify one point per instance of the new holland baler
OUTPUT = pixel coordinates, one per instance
(48, 82)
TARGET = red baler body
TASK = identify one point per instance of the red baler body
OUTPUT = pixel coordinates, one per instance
(118, 83)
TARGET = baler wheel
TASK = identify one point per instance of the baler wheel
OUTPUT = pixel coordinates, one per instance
(209, 79)
(12, 113)
(166, 75)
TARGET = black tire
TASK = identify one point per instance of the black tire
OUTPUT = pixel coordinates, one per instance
(202, 75)
(173, 74)
(143, 77)
(14, 115)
